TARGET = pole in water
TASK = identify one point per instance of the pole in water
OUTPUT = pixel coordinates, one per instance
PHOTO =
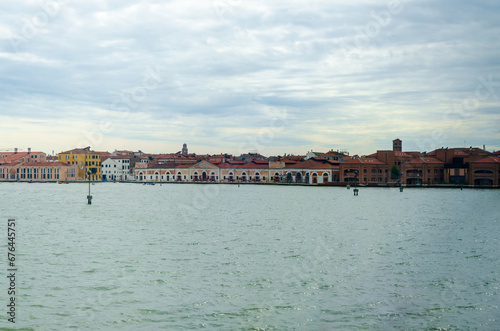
(89, 197)
(355, 192)
(401, 189)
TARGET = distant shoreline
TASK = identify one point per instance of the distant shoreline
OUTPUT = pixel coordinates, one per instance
(455, 186)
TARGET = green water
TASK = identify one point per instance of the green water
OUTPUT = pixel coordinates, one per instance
(252, 257)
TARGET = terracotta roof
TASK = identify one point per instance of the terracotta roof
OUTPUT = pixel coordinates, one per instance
(426, 160)
(119, 157)
(44, 164)
(79, 151)
(460, 153)
(365, 160)
(250, 165)
(314, 163)
(488, 159)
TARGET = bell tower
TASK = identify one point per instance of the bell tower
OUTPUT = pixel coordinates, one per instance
(397, 145)
(185, 149)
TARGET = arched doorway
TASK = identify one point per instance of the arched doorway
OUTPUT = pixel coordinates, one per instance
(276, 177)
(315, 178)
(325, 177)
(168, 176)
(298, 177)
(308, 180)
(141, 175)
(195, 176)
(212, 176)
(257, 177)
(179, 176)
(204, 176)
(289, 178)
(244, 177)
(231, 176)
(483, 182)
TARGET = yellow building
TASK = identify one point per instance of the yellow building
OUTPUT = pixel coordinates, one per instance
(86, 160)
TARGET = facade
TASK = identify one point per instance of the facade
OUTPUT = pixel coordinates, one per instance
(16, 156)
(423, 170)
(485, 172)
(86, 160)
(177, 172)
(116, 168)
(466, 166)
(312, 171)
(367, 171)
(457, 161)
(38, 171)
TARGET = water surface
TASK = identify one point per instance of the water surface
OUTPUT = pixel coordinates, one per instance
(187, 256)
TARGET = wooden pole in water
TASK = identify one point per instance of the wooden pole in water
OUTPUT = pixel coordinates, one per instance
(89, 197)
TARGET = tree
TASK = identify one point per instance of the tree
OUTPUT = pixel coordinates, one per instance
(395, 172)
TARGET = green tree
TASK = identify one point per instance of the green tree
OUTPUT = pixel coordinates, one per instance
(395, 172)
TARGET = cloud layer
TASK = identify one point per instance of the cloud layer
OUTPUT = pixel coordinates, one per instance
(234, 75)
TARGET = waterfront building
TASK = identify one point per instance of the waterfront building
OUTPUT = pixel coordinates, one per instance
(116, 168)
(202, 171)
(38, 171)
(314, 170)
(365, 170)
(423, 170)
(457, 161)
(16, 156)
(85, 160)
(256, 171)
(485, 172)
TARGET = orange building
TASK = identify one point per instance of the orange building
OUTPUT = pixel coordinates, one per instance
(423, 170)
(368, 171)
(29, 156)
(485, 172)
(38, 171)
(457, 161)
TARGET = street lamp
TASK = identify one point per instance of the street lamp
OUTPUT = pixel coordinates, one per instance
(89, 197)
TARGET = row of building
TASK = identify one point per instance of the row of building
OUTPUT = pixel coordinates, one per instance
(469, 166)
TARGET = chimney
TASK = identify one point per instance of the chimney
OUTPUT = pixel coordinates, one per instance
(484, 147)
(15, 150)
(29, 150)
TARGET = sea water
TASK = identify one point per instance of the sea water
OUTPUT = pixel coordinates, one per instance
(251, 257)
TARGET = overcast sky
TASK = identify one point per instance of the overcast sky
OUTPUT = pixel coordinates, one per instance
(235, 76)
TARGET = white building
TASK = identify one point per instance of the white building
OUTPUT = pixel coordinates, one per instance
(116, 168)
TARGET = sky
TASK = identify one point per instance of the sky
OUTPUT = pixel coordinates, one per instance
(239, 76)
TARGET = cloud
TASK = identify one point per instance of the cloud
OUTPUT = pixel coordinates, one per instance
(351, 76)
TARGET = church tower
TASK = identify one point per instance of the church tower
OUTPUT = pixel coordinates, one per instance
(397, 145)
(185, 149)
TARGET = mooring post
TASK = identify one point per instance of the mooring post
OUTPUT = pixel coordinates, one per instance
(356, 192)
(89, 197)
